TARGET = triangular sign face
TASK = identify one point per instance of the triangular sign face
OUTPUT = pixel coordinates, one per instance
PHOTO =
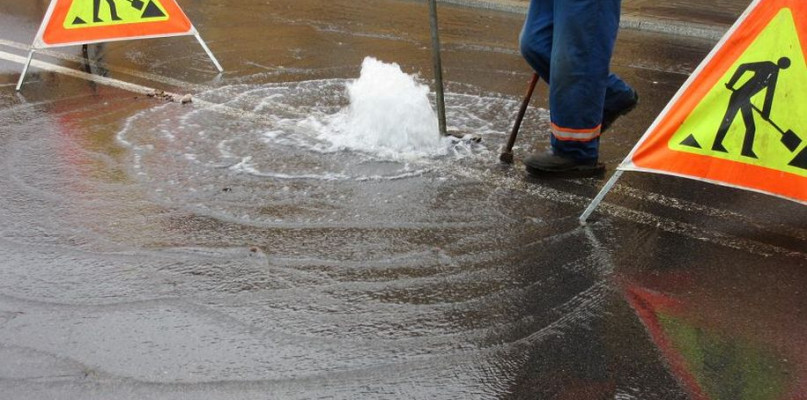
(71, 22)
(107, 13)
(740, 118)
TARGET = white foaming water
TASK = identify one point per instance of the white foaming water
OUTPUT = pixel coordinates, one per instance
(390, 115)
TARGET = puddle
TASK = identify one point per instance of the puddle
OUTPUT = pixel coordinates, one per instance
(291, 143)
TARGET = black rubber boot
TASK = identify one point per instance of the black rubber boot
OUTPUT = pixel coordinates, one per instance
(609, 116)
(550, 165)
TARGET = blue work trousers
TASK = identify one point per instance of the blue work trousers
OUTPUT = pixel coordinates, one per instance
(569, 43)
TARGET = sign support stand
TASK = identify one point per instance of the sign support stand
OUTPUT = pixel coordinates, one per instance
(600, 196)
(25, 69)
(195, 34)
(160, 18)
(207, 50)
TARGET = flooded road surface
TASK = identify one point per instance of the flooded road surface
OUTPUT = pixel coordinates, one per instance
(276, 239)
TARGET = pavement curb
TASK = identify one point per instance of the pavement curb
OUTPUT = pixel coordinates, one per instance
(629, 21)
(678, 28)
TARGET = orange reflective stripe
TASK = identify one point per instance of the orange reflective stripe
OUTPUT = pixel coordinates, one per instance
(577, 135)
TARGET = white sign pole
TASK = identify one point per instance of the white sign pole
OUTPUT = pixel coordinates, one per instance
(597, 200)
(207, 50)
(25, 69)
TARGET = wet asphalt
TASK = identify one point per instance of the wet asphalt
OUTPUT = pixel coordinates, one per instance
(220, 250)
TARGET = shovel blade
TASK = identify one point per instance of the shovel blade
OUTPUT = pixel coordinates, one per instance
(791, 140)
(138, 4)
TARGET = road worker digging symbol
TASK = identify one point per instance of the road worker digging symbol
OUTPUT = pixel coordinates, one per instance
(765, 75)
(751, 111)
(739, 119)
(94, 13)
(756, 77)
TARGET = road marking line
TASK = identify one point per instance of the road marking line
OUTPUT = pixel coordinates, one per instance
(127, 71)
(132, 87)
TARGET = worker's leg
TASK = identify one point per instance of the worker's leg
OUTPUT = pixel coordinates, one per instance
(535, 44)
(750, 131)
(96, 8)
(617, 92)
(583, 41)
(728, 119)
(113, 11)
(536, 36)
(620, 99)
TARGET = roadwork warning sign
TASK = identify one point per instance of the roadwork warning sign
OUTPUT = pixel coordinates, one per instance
(741, 118)
(75, 22)
(84, 14)
(70, 22)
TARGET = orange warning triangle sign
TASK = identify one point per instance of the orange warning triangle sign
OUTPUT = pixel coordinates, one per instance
(71, 22)
(740, 118)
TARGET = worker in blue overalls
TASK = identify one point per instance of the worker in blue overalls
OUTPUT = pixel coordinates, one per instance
(569, 43)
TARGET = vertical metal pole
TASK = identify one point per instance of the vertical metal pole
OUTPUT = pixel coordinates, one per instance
(438, 67)
(597, 200)
(25, 69)
(209, 53)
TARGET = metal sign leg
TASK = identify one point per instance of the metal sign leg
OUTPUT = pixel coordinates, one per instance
(597, 200)
(209, 53)
(438, 67)
(25, 69)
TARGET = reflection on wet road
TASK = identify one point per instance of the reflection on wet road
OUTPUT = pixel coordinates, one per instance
(237, 247)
